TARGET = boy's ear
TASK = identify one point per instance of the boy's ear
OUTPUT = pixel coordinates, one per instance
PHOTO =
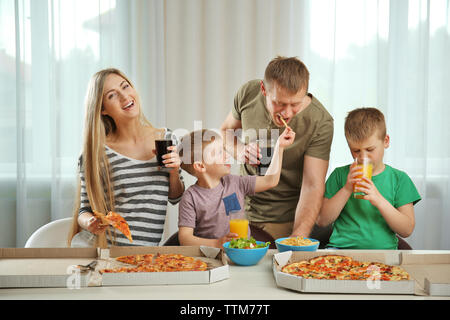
(199, 166)
(386, 141)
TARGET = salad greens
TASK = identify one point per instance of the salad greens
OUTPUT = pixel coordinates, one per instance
(243, 243)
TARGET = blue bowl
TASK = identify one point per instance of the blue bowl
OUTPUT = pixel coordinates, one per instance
(284, 247)
(245, 257)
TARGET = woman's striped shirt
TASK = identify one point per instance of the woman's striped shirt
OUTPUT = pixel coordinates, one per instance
(141, 193)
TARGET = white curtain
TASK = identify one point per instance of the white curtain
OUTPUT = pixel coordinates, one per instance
(188, 58)
(48, 51)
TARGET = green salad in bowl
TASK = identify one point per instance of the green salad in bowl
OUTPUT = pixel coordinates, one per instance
(243, 243)
(246, 252)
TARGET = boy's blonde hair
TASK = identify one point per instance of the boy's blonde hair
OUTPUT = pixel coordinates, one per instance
(192, 145)
(362, 123)
(289, 73)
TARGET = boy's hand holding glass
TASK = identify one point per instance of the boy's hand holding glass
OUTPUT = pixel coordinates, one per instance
(230, 236)
(353, 177)
(372, 194)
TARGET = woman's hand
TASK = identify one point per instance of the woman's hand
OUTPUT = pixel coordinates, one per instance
(95, 225)
(172, 159)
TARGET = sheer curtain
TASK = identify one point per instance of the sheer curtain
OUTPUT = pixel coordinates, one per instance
(48, 51)
(188, 58)
(392, 55)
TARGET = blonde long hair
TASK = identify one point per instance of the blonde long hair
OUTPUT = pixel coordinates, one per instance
(94, 162)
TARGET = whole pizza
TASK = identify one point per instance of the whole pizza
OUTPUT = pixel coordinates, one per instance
(336, 267)
(158, 263)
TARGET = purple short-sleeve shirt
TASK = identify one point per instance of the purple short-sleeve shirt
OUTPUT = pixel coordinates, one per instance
(208, 211)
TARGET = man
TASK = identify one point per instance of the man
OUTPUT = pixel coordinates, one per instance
(292, 207)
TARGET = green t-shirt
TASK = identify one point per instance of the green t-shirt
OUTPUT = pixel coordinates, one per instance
(360, 225)
(313, 127)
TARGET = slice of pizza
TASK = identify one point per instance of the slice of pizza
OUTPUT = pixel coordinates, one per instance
(136, 259)
(101, 216)
(301, 268)
(118, 222)
(331, 260)
(179, 262)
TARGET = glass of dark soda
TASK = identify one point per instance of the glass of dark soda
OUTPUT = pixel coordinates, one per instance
(161, 149)
(267, 147)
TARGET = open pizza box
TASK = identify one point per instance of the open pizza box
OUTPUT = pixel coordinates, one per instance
(217, 267)
(429, 273)
(58, 267)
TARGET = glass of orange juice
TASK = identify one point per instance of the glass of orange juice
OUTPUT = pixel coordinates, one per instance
(239, 226)
(365, 166)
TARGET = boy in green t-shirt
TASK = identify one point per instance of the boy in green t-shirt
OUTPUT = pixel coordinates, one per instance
(386, 209)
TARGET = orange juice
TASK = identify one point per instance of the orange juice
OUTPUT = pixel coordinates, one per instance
(239, 226)
(366, 168)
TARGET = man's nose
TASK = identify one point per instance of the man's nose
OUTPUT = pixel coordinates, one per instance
(287, 113)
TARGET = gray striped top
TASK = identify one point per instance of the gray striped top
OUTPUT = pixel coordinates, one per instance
(141, 194)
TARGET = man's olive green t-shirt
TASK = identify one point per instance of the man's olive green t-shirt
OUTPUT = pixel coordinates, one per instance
(313, 127)
(360, 225)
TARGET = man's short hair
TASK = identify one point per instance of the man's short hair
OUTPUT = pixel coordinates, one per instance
(192, 145)
(362, 123)
(289, 73)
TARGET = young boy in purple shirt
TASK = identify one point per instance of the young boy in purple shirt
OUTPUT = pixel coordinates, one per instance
(218, 196)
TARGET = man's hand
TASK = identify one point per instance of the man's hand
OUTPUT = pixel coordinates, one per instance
(251, 154)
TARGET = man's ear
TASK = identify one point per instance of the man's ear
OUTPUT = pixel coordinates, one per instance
(263, 89)
(386, 141)
(199, 166)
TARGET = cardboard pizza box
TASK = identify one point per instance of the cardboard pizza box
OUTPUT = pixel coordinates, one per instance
(218, 267)
(57, 267)
(430, 274)
(44, 267)
(430, 270)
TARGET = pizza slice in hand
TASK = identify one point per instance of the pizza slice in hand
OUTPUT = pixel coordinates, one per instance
(118, 222)
(115, 220)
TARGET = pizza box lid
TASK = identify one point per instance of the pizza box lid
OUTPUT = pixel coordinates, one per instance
(45, 267)
(430, 270)
(370, 286)
(214, 257)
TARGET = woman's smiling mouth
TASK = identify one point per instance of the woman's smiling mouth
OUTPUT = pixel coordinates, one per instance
(128, 106)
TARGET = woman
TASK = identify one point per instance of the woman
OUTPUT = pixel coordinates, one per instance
(118, 167)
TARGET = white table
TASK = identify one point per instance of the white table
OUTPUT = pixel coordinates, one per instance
(245, 283)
